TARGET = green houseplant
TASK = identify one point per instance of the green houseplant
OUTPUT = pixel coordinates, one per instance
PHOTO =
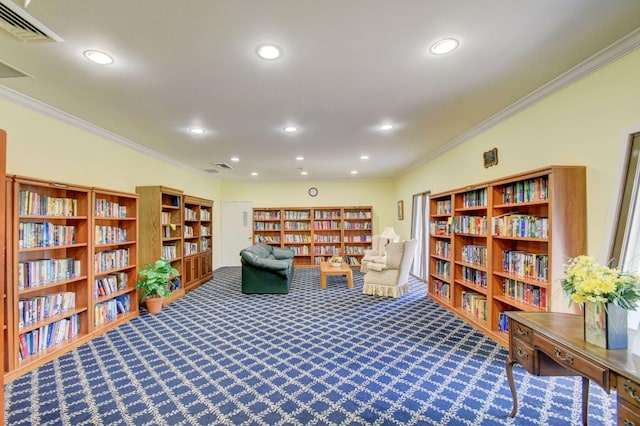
(154, 281)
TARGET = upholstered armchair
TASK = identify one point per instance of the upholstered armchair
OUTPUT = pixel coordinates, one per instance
(378, 246)
(391, 279)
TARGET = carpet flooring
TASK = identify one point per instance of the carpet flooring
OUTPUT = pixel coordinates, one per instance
(311, 357)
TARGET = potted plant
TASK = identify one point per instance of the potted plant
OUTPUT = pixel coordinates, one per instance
(153, 282)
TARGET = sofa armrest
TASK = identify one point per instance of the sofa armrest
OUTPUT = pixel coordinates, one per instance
(271, 264)
(282, 253)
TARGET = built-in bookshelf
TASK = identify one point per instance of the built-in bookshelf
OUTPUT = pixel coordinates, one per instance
(161, 233)
(197, 241)
(115, 270)
(50, 252)
(316, 233)
(3, 262)
(500, 246)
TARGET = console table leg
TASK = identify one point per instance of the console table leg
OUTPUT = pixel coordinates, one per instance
(585, 400)
(512, 385)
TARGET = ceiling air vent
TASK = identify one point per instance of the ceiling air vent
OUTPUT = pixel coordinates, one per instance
(224, 166)
(7, 71)
(211, 171)
(23, 26)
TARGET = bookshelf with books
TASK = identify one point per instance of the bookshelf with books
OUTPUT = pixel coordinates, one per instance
(197, 241)
(48, 247)
(161, 231)
(296, 230)
(3, 263)
(115, 254)
(316, 233)
(509, 241)
(440, 248)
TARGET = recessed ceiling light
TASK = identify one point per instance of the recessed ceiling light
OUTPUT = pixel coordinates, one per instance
(385, 127)
(254, 173)
(290, 129)
(299, 158)
(269, 52)
(98, 57)
(235, 159)
(197, 131)
(304, 172)
(354, 172)
(444, 46)
(364, 157)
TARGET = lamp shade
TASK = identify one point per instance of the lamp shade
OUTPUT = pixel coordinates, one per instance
(388, 233)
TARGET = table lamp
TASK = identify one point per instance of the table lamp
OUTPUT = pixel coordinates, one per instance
(389, 234)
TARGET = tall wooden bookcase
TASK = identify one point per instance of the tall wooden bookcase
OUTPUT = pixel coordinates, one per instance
(162, 231)
(316, 233)
(501, 245)
(115, 245)
(198, 241)
(3, 263)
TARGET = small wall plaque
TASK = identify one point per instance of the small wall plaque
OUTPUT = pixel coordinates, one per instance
(490, 158)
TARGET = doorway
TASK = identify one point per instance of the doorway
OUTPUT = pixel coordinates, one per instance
(236, 233)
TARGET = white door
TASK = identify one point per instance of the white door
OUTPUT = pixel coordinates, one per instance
(236, 230)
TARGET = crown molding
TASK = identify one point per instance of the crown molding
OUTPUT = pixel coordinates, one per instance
(609, 54)
(71, 119)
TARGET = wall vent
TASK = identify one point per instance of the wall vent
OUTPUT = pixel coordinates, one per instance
(23, 26)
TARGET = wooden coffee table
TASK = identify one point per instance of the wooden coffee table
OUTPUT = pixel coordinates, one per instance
(327, 269)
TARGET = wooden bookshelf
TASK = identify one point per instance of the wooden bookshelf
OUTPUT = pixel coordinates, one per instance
(161, 231)
(3, 265)
(50, 245)
(115, 253)
(500, 246)
(198, 241)
(316, 233)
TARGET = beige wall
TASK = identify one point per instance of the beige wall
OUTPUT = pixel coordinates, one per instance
(587, 124)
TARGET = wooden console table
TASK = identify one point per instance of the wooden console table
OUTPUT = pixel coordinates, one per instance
(552, 344)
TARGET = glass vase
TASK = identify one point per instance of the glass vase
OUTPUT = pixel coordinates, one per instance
(605, 325)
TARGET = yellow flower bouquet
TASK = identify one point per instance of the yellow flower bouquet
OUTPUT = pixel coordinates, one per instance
(587, 281)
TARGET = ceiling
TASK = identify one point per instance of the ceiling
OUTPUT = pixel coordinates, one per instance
(347, 67)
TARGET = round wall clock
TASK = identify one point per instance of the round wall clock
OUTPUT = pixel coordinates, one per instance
(313, 191)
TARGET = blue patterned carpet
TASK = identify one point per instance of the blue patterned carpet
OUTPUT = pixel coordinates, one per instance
(312, 357)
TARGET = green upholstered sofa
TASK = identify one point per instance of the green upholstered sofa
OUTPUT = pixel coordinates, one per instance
(266, 269)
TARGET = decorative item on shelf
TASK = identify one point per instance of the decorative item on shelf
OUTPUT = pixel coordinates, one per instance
(336, 260)
(606, 294)
(155, 281)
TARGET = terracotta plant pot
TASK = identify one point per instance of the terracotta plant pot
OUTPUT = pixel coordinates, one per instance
(154, 304)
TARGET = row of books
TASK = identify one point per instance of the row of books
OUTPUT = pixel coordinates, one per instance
(474, 254)
(188, 231)
(301, 250)
(165, 218)
(190, 248)
(443, 248)
(474, 225)
(106, 208)
(357, 225)
(110, 235)
(475, 276)
(357, 215)
(443, 207)
(326, 238)
(295, 226)
(477, 198)
(266, 226)
(440, 227)
(190, 214)
(170, 231)
(109, 260)
(526, 191)
(205, 215)
(267, 239)
(475, 304)
(109, 310)
(528, 294)
(45, 234)
(528, 265)
(34, 309)
(325, 250)
(297, 214)
(354, 250)
(269, 215)
(205, 244)
(441, 288)
(443, 268)
(38, 272)
(205, 230)
(169, 251)
(366, 238)
(31, 203)
(110, 284)
(503, 322)
(43, 337)
(324, 214)
(326, 224)
(297, 238)
(522, 226)
(351, 260)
